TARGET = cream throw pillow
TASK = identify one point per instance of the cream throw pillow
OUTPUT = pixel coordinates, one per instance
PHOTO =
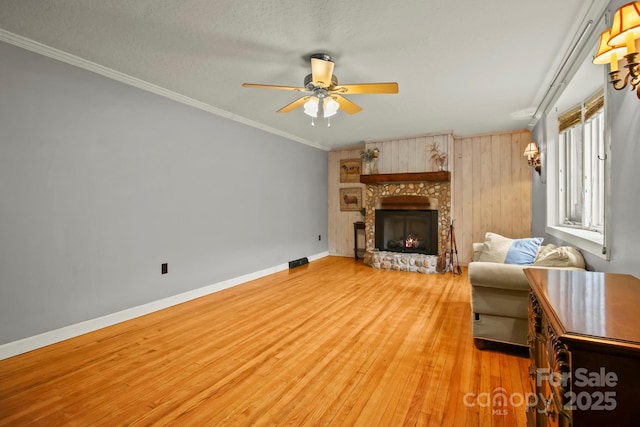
(544, 250)
(563, 256)
(495, 248)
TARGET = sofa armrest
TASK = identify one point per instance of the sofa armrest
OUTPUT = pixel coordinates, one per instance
(504, 276)
(498, 275)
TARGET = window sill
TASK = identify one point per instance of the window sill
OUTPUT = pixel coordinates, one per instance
(586, 240)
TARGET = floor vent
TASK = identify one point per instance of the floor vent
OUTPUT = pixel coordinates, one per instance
(298, 262)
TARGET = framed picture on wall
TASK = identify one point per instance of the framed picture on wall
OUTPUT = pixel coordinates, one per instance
(350, 199)
(350, 170)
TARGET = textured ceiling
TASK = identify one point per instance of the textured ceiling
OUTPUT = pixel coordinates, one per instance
(469, 66)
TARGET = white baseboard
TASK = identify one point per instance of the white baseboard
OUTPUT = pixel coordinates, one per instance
(51, 337)
(317, 256)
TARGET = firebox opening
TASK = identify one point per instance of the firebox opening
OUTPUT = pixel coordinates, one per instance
(412, 231)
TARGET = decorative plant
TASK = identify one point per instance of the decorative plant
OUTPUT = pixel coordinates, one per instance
(438, 157)
(369, 154)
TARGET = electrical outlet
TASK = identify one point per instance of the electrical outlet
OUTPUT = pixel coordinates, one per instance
(165, 268)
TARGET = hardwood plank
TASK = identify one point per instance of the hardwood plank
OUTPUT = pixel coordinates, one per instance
(411, 156)
(525, 179)
(403, 156)
(392, 148)
(330, 343)
(456, 162)
(466, 200)
(508, 209)
(476, 191)
(495, 200)
(521, 225)
(422, 159)
(486, 185)
(386, 156)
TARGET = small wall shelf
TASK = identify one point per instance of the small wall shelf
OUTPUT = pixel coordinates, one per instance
(405, 177)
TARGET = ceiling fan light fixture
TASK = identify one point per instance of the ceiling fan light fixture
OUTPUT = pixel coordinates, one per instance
(311, 107)
(331, 107)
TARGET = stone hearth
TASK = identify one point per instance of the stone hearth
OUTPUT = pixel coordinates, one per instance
(418, 263)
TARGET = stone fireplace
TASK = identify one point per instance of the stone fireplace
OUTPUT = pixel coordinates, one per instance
(407, 191)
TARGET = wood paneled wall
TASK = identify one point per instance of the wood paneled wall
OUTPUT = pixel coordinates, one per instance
(411, 154)
(490, 184)
(341, 223)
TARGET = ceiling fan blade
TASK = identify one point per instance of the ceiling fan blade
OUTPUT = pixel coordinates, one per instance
(346, 105)
(361, 88)
(299, 89)
(321, 72)
(295, 104)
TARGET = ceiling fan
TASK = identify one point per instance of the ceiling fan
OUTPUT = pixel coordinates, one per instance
(325, 94)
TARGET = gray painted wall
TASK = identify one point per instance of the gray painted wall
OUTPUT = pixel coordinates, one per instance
(624, 231)
(100, 183)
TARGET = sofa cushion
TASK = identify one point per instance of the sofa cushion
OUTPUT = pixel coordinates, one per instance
(497, 275)
(563, 256)
(497, 248)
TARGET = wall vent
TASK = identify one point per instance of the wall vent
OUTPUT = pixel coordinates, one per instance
(298, 262)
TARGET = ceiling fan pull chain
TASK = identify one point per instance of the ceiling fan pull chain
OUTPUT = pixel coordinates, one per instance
(312, 122)
(328, 122)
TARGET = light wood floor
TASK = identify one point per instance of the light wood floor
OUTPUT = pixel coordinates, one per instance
(331, 343)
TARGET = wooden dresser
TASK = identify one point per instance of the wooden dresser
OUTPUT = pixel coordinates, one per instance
(584, 346)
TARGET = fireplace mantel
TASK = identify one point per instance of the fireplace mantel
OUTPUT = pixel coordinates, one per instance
(406, 177)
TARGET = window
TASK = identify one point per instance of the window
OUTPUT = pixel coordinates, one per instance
(581, 165)
(575, 130)
(577, 174)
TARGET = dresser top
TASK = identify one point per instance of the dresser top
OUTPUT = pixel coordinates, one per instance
(590, 304)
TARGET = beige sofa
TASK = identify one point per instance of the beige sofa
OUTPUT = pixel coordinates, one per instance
(500, 291)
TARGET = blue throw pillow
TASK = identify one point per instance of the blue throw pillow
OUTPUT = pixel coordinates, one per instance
(523, 251)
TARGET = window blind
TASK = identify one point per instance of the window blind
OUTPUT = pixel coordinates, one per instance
(593, 105)
(570, 118)
(574, 116)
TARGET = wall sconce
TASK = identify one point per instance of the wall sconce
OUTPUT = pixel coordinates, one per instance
(533, 156)
(619, 41)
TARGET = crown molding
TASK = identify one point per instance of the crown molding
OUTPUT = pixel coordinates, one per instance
(584, 39)
(76, 61)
